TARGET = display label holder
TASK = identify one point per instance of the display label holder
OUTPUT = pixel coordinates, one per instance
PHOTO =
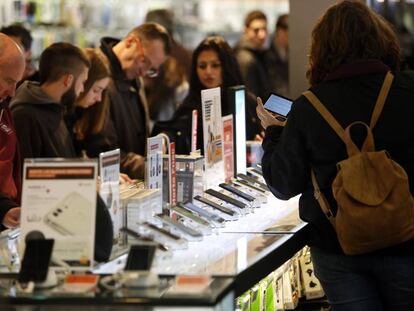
(59, 200)
(109, 168)
(213, 137)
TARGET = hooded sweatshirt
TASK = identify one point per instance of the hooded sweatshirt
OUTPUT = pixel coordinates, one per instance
(39, 123)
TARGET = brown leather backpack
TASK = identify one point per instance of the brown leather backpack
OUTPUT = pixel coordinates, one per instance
(375, 206)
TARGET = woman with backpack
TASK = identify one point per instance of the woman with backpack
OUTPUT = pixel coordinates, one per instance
(354, 74)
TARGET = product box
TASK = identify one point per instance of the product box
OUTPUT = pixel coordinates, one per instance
(256, 298)
(311, 285)
(278, 303)
(270, 293)
(290, 290)
(243, 302)
(189, 176)
(141, 205)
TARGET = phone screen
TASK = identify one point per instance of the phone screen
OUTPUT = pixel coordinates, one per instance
(278, 104)
(36, 259)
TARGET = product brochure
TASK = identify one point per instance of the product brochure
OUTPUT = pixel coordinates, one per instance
(173, 175)
(228, 144)
(59, 202)
(194, 125)
(154, 162)
(109, 165)
(213, 136)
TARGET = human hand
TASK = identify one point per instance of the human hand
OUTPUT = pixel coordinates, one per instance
(259, 137)
(12, 218)
(266, 118)
(124, 179)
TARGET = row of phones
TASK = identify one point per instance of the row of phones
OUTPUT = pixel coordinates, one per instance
(239, 195)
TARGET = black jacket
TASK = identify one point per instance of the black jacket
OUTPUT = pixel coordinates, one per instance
(128, 119)
(278, 70)
(40, 128)
(253, 68)
(308, 141)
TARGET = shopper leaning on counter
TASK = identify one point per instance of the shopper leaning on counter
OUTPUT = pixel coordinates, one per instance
(38, 111)
(87, 120)
(138, 55)
(12, 64)
(213, 65)
(352, 49)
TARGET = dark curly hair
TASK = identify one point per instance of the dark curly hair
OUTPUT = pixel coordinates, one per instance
(230, 69)
(350, 31)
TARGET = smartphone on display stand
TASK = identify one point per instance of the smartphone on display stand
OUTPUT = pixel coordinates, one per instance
(237, 192)
(140, 257)
(203, 213)
(253, 180)
(188, 232)
(189, 215)
(144, 238)
(216, 206)
(36, 260)
(278, 105)
(226, 198)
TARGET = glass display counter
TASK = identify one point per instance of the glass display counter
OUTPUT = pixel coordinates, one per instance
(234, 258)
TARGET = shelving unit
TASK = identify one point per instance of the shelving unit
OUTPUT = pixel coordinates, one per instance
(84, 22)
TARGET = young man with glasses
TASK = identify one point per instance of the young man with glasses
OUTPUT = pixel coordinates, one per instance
(138, 55)
(250, 54)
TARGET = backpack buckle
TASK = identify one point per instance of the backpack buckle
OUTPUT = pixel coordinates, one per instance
(317, 194)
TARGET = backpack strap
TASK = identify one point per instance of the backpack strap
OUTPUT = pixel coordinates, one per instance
(320, 197)
(325, 114)
(381, 99)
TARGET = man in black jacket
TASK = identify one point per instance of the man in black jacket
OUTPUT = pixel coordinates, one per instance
(38, 111)
(12, 65)
(139, 54)
(250, 53)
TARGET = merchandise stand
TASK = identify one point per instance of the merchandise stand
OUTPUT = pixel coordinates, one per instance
(235, 258)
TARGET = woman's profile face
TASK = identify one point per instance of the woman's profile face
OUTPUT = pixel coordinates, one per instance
(209, 69)
(94, 94)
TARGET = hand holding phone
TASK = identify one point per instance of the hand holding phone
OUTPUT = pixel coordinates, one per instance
(266, 117)
(278, 104)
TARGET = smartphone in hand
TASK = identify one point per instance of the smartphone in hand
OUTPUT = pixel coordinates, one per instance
(278, 105)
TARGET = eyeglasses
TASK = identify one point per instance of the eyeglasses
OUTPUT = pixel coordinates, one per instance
(151, 71)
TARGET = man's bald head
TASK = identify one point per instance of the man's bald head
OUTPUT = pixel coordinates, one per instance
(12, 64)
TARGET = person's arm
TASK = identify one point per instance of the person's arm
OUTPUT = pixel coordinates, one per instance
(132, 164)
(9, 213)
(285, 161)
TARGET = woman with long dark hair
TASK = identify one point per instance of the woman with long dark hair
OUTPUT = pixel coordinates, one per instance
(213, 65)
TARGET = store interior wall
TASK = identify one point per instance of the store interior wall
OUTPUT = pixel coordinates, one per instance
(303, 16)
